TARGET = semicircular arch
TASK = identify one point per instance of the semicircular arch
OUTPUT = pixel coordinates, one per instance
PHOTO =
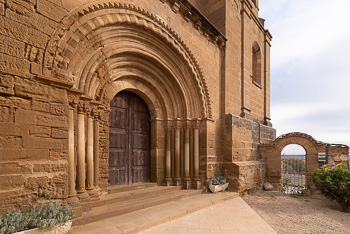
(81, 52)
(304, 140)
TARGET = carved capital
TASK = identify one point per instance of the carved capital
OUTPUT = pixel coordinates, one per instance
(81, 108)
(196, 124)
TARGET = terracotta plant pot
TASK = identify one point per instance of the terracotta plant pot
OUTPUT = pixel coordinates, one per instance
(58, 229)
(218, 188)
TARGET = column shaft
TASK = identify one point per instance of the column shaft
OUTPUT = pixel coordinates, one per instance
(168, 155)
(90, 154)
(177, 153)
(96, 151)
(71, 180)
(187, 154)
(81, 154)
(196, 153)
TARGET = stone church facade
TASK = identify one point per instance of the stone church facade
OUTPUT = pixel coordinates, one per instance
(104, 93)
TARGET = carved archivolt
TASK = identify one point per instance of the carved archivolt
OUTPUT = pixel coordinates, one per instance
(106, 44)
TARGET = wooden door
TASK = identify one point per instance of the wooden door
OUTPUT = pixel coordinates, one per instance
(129, 140)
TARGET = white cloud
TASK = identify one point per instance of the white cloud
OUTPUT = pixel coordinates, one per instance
(310, 67)
(300, 28)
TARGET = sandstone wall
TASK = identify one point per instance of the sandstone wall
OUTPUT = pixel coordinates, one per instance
(38, 87)
(241, 161)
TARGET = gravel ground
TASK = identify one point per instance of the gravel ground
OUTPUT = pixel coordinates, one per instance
(300, 214)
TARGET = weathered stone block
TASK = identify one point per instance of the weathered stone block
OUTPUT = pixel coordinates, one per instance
(50, 10)
(51, 120)
(61, 133)
(57, 155)
(25, 116)
(37, 154)
(24, 154)
(58, 109)
(25, 14)
(11, 47)
(22, 32)
(6, 114)
(12, 154)
(34, 183)
(41, 143)
(2, 7)
(14, 66)
(15, 168)
(33, 54)
(40, 131)
(11, 182)
(40, 91)
(11, 142)
(41, 106)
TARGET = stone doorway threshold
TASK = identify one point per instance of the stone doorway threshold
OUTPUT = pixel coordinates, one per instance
(198, 213)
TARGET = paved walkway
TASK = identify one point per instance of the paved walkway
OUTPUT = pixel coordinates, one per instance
(232, 216)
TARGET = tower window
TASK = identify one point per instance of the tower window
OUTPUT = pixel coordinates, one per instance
(256, 63)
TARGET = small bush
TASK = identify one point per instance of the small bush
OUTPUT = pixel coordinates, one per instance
(334, 184)
(217, 180)
(44, 216)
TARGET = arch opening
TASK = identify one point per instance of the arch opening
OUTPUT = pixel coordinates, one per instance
(294, 168)
(129, 140)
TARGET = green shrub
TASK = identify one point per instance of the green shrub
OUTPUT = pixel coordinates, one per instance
(217, 180)
(334, 184)
(44, 216)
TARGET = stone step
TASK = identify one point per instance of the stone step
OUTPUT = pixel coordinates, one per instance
(142, 219)
(125, 188)
(122, 197)
(136, 200)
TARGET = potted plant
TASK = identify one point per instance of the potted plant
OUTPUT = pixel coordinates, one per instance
(50, 217)
(217, 183)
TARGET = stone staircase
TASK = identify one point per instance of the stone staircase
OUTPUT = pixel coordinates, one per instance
(141, 206)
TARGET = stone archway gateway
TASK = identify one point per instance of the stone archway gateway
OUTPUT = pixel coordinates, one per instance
(271, 155)
(129, 140)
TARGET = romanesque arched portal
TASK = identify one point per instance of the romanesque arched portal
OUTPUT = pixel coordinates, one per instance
(106, 48)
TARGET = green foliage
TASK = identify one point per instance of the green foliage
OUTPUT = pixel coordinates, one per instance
(217, 180)
(44, 216)
(12, 222)
(334, 184)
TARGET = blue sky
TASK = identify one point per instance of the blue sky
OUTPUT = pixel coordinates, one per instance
(310, 67)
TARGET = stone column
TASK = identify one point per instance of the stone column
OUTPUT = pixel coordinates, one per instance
(196, 156)
(90, 153)
(177, 156)
(81, 154)
(168, 179)
(71, 166)
(187, 180)
(96, 150)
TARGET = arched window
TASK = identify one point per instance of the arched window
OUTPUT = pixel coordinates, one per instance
(256, 63)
